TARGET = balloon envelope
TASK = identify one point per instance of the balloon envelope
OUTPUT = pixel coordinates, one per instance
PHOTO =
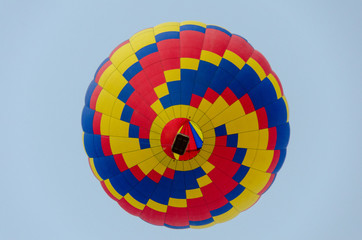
(185, 125)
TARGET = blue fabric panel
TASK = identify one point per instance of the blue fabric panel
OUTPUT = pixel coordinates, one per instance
(87, 119)
(263, 94)
(199, 172)
(144, 143)
(120, 184)
(127, 113)
(176, 227)
(239, 155)
(219, 28)
(221, 210)
(186, 84)
(106, 167)
(163, 191)
(134, 131)
(236, 87)
(241, 173)
(220, 81)
(89, 92)
(193, 28)
(167, 35)
(232, 140)
(147, 50)
(277, 113)
(146, 186)
(283, 153)
(247, 78)
(132, 71)
(199, 89)
(203, 222)
(126, 92)
(139, 196)
(229, 67)
(190, 180)
(166, 101)
(220, 130)
(283, 132)
(235, 192)
(89, 145)
(130, 178)
(205, 72)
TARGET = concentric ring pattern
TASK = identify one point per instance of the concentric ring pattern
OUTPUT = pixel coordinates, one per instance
(210, 80)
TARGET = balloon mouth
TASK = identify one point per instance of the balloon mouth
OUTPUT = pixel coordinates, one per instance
(181, 139)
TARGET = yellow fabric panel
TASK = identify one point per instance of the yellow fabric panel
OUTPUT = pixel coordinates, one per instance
(263, 139)
(175, 202)
(217, 107)
(183, 111)
(172, 164)
(104, 128)
(263, 159)
(248, 139)
(207, 167)
(157, 125)
(112, 190)
(200, 159)
(157, 206)
(121, 54)
(118, 128)
(210, 57)
(189, 63)
(157, 106)
(204, 106)
(193, 193)
(193, 163)
(134, 202)
(136, 157)
(226, 216)
(106, 74)
(286, 104)
(245, 200)
(207, 127)
(208, 145)
(166, 27)
(234, 58)
(275, 85)
(203, 120)
(160, 168)
(161, 90)
(255, 180)
(123, 145)
(118, 109)
(257, 68)
(246, 123)
(105, 103)
(127, 63)
(233, 112)
(193, 23)
(170, 113)
(142, 39)
(94, 170)
(202, 226)
(203, 181)
(172, 75)
(115, 83)
(148, 165)
(249, 157)
(179, 166)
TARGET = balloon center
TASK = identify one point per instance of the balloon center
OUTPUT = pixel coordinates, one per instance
(181, 139)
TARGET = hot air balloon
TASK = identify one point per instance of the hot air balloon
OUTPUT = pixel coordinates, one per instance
(185, 125)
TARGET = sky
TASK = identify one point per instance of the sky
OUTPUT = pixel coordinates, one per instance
(49, 52)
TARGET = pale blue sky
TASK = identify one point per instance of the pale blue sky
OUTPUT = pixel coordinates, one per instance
(49, 51)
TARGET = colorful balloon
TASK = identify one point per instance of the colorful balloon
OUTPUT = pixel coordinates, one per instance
(185, 125)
